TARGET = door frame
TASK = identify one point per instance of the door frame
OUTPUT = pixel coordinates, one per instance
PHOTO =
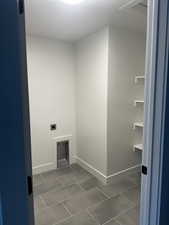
(155, 111)
(155, 114)
(16, 194)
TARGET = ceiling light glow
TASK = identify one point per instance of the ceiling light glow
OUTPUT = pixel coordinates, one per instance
(72, 2)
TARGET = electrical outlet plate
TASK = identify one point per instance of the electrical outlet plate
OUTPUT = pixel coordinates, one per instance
(53, 127)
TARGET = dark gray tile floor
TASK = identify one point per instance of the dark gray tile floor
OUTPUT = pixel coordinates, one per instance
(72, 196)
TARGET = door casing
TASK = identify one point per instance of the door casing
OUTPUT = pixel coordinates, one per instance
(155, 112)
(16, 206)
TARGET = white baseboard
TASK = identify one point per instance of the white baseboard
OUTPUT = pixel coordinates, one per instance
(100, 176)
(103, 178)
(115, 176)
(44, 168)
(48, 167)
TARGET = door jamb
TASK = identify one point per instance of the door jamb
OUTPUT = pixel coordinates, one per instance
(155, 102)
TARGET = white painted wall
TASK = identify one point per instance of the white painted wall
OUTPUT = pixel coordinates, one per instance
(51, 74)
(126, 60)
(86, 89)
(92, 75)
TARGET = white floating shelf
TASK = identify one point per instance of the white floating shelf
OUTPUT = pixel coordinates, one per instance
(139, 78)
(138, 147)
(138, 124)
(138, 102)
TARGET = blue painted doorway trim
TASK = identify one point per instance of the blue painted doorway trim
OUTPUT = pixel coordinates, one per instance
(164, 207)
(16, 205)
(155, 204)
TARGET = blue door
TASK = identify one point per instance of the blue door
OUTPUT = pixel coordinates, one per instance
(16, 200)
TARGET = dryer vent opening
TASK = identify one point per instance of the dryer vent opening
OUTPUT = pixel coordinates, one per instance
(62, 154)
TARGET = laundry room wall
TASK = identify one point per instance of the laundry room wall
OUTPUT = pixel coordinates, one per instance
(51, 75)
(91, 92)
(127, 51)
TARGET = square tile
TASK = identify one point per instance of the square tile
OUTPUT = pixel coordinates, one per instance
(46, 186)
(50, 177)
(89, 183)
(79, 173)
(67, 179)
(64, 171)
(55, 174)
(129, 218)
(59, 195)
(110, 208)
(117, 187)
(112, 222)
(37, 179)
(72, 196)
(75, 166)
(39, 203)
(51, 215)
(133, 194)
(80, 219)
(84, 200)
(135, 177)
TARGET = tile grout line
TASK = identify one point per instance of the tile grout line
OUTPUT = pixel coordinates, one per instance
(96, 204)
(130, 201)
(87, 208)
(108, 197)
(120, 193)
(118, 222)
(116, 217)
(112, 219)
(40, 209)
(123, 212)
(62, 201)
(62, 187)
(134, 182)
(81, 187)
(46, 205)
(92, 216)
(67, 209)
(42, 177)
(63, 220)
(132, 179)
(78, 182)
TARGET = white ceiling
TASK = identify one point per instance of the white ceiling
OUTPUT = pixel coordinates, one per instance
(55, 19)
